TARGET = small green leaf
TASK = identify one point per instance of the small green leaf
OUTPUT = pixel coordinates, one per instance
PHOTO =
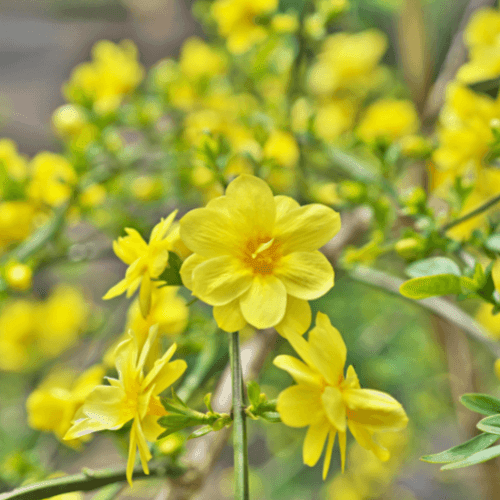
(461, 451)
(481, 403)
(271, 416)
(200, 432)
(253, 390)
(493, 243)
(208, 402)
(431, 267)
(172, 275)
(477, 458)
(430, 286)
(490, 424)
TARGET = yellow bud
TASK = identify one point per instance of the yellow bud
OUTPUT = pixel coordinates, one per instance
(410, 248)
(19, 276)
(171, 443)
(285, 23)
(68, 120)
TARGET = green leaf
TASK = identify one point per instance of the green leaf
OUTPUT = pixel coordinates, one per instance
(172, 275)
(430, 286)
(200, 432)
(477, 458)
(481, 403)
(490, 424)
(253, 391)
(271, 416)
(461, 451)
(431, 267)
(493, 243)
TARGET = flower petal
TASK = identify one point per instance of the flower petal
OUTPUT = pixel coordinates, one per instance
(145, 295)
(300, 372)
(283, 205)
(374, 410)
(334, 407)
(187, 268)
(365, 439)
(301, 347)
(315, 441)
(160, 230)
(327, 349)
(106, 404)
(159, 365)
(297, 317)
(209, 232)
(168, 375)
(307, 228)
(84, 426)
(132, 450)
(118, 289)
(229, 316)
(252, 203)
(144, 453)
(342, 445)
(328, 454)
(220, 280)
(306, 275)
(300, 405)
(151, 428)
(264, 304)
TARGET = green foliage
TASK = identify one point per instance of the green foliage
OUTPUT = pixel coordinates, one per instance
(431, 286)
(432, 266)
(481, 403)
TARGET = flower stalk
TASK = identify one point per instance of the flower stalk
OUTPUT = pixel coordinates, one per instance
(240, 446)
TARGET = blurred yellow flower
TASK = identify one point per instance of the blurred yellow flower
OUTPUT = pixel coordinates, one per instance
(15, 165)
(198, 59)
(52, 179)
(236, 22)
(113, 73)
(282, 147)
(133, 396)
(69, 120)
(285, 23)
(53, 404)
(388, 120)
(93, 195)
(18, 276)
(489, 320)
(255, 256)
(329, 403)
(146, 261)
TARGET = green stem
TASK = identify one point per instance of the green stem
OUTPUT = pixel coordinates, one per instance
(239, 427)
(85, 481)
(468, 216)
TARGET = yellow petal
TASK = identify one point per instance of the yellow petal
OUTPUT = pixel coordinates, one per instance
(130, 247)
(327, 350)
(229, 316)
(252, 203)
(106, 404)
(283, 205)
(159, 262)
(84, 426)
(300, 372)
(351, 380)
(145, 295)
(495, 274)
(300, 405)
(168, 375)
(158, 367)
(365, 439)
(342, 444)
(188, 266)
(297, 317)
(306, 275)
(133, 286)
(264, 304)
(125, 356)
(152, 334)
(132, 450)
(328, 454)
(334, 407)
(301, 346)
(374, 410)
(118, 289)
(144, 453)
(307, 228)
(160, 230)
(314, 442)
(151, 428)
(209, 233)
(220, 280)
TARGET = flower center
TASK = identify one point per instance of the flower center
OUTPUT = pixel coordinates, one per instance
(261, 255)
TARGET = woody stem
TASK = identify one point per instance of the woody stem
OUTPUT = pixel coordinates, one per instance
(239, 418)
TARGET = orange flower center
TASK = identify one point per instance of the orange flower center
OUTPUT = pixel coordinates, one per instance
(261, 255)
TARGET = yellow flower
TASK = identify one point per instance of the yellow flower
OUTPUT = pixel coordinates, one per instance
(329, 403)
(14, 164)
(485, 316)
(198, 59)
(285, 23)
(146, 261)
(133, 396)
(236, 22)
(255, 256)
(388, 120)
(113, 73)
(52, 179)
(53, 404)
(18, 276)
(282, 148)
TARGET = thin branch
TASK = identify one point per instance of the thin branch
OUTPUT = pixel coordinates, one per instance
(85, 481)
(474, 212)
(439, 306)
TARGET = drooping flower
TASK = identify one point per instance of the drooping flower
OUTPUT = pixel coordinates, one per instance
(328, 402)
(146, 261)
(133, 396)
(256, 257)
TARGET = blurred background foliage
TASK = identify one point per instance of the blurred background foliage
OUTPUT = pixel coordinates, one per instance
(394, 345)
